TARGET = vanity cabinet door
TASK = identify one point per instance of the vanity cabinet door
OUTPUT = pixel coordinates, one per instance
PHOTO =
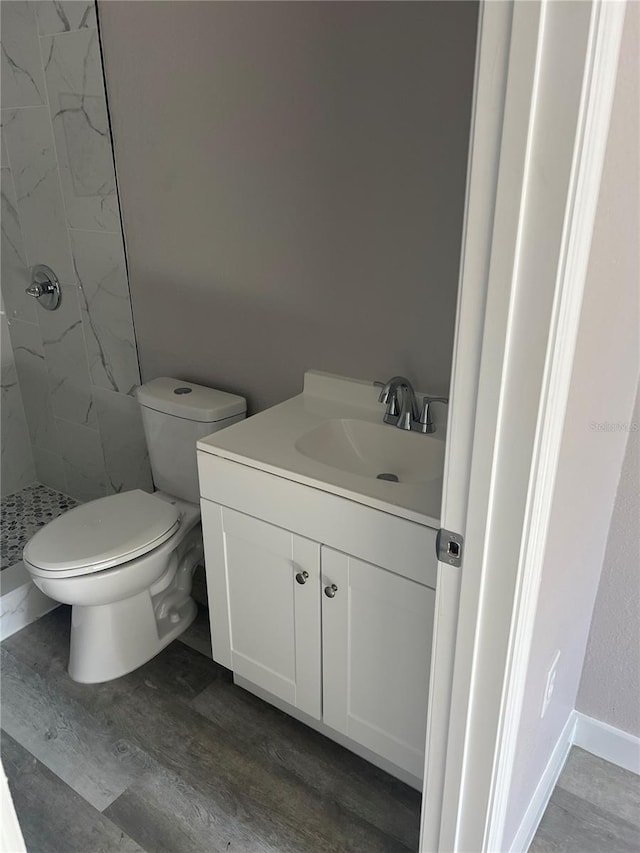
(376, 640)
(264, 602)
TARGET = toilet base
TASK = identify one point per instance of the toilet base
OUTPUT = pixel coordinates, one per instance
(111, 640)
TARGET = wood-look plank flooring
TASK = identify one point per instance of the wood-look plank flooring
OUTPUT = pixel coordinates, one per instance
(595, 808)
(174, 757)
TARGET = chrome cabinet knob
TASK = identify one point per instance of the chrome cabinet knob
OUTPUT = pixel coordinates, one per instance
(302, 577)
(330, 591)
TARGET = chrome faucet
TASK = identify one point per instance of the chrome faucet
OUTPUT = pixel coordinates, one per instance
(403, 412)
(402, 406)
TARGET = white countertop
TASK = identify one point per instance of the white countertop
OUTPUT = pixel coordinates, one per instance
(267, 442)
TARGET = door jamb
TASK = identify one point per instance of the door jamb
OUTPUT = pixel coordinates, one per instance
(472, 816)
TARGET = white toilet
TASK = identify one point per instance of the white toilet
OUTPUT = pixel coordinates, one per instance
(126, 562)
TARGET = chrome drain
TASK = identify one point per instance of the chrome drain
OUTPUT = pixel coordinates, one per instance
(391, 478)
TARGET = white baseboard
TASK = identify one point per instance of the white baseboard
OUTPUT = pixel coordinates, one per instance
(601, 739)
(542, 795)
(607, 742)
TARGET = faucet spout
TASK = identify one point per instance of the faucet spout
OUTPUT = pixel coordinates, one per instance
(402, 412)
(390, 388)
(409, 412)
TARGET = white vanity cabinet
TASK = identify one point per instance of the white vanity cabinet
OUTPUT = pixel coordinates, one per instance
(265, 624)
(376, 652)
(323, 607)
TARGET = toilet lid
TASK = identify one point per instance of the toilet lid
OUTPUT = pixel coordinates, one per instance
(102, 533)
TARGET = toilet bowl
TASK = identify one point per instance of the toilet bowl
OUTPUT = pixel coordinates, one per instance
(130, 589)
(125, 562)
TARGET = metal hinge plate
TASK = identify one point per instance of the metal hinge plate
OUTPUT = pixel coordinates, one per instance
(449, 547)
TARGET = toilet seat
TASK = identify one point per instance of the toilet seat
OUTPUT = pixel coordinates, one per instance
(102, 533)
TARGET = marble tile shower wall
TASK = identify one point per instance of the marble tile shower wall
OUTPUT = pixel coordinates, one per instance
(77, 366)
(17, 469)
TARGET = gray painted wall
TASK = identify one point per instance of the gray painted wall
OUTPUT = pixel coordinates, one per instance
(292, 181)
(610, 685)
(603, 387)
(76, 365)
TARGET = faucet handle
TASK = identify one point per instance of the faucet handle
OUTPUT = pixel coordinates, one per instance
(426, 424)
(36, 290)
(389, 396)
(393, 407)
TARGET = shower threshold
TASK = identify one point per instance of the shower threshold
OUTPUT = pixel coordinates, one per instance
(21, 515)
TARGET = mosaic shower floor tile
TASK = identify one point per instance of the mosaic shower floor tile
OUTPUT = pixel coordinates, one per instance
(22, 513)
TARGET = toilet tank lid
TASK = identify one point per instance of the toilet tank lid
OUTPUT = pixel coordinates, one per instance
(189, 401)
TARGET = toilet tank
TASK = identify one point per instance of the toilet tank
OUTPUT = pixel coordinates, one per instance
(175, 415)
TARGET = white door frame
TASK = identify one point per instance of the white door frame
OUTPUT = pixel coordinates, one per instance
(533, 184)
(11, 840)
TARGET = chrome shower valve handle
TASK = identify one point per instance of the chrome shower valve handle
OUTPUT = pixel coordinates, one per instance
(45, 287)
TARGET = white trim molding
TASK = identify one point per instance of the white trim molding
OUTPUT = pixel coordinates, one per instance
(598, 90)
(11, 840)
(515, 29)
(605, 741)
(562, 65)
(494, 33)
(544, 789)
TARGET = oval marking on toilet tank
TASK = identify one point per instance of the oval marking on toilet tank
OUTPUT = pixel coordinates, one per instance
(182, 390)
(391, 478)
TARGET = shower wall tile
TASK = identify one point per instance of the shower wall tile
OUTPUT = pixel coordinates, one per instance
(21, 70)
(125, 450)
(17, 468)
(50, 469)
(66, 361)
(14, 272)
(106, 309)
(63, 16)
(28, 352)
(83, 461)
(34, 166)
(16, 465)
(59, 207)
(78, 110)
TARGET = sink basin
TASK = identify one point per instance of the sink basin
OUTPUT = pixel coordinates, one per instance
(372, 450)
(332, 438)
